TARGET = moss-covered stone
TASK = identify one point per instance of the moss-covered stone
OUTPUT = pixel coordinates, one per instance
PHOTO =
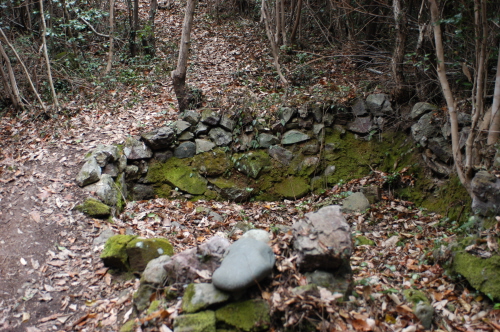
(482, 273)
(94, 208)
(153, 307)
(141, 251)
(251, 315)
(163, 191)
(115, 254)
(142, 295)
(252, 163)
(177, 173)
(363, 240)
(200, 296)
(212, 163)
(200, 322)
(292, 188)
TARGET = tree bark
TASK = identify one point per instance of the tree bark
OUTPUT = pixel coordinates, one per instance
(12, 89)
(494, 127)
(46, 55)
(293, 35)
(111, 31)
(179, 74)
(450, 101)
(399, 50)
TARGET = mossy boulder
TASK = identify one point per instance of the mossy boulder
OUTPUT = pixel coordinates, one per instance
(200, 322)
(482, 273)
(237, 191)
(251, 315)
(212, 163)
(252, 163)
(292, 188)
(201, 296)
(115, 254)
(94, 208)
(178, 174)
(140, 251)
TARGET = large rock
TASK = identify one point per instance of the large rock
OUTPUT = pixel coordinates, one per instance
(441, 148)
(200, 296)
(266, 140)
(286, 114)
(140, 251)
(248, 261)
(185, 150)
(106, 190)
(94, 208)
(203, 145)
(191, 116)
(210, 117)
(361, 125)
(251, 315)
(292, 188)
(425, 129)
(154, 273)
(181, 126)
(280, 154)
(294, 136)
(359, 108)
(135, 150)
(322, 240)
(89, 173)
(105, 154)
(486, 190)
(220, 136)
(379, 104)
(420, 109)
(194, 263)
(357, 202)
(160, 138)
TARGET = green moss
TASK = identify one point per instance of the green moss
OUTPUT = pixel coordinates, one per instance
(129, 326)
(252, 163)
(177, 173)
(292, 188)
(142, 295)
(363, 240)
(163, 191)
(415, 296)
(115, 254)
(200, 322)
(94, 208)
(153, 307)
(251, 315)
(212, 163)
(482, 273)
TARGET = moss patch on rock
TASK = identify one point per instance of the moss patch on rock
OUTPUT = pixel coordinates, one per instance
(141, 251)
(292, 188)
(251, 315)
(212, 163)
(252, 163)
(115, 254)
(94, 208)
(482, 273)
(200, 322)
(177, 173)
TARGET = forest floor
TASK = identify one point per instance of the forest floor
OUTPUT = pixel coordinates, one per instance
(51, 277)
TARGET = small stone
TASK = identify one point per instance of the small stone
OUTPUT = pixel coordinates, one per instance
(257, 234)
(154, 273)
(185, 150)
(248, 261)
(210, 117)
(94, 209)
(135, 150)
(251, 315)
(266, 140)
(201, 296)
(280, 154)
(106, 190)
(105, 154)
(159, 139)
(227, 123)
(220, 136)
(186, 136)
(361, 125)
(103, 237)
(89, 173)
(191, 116)
(286, 113)
(357, 202)
(318, 129)
(201, 129)
(359, 108)
(203, 145)
(181, 126)
(142, 192)
(294, 136)
(310, 149)
(420, 109)
(425, 312)
(140, 251)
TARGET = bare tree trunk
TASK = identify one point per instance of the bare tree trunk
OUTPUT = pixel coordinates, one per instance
(399, 50)
(450, 101)
(12, 89)
(179, 74)
(293, 35)
(481, 31)
(494, 127)
(47, 61)
(111, 31)
(274, 47)
(25, 71)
